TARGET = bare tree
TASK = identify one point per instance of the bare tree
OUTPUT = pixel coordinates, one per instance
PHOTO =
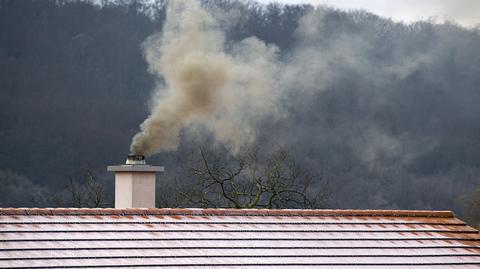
(247, 180)
(88, 193)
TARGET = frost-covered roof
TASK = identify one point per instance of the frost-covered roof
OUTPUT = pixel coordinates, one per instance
(235, 238)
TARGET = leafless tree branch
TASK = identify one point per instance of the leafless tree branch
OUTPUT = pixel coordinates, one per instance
(249, 181)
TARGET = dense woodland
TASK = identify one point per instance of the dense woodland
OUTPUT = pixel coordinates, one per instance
(390, 120)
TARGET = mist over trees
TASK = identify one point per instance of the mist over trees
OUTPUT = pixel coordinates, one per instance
(387, 113)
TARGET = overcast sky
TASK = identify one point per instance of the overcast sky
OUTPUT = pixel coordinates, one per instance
(465, 12)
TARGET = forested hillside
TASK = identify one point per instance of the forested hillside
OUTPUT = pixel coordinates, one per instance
(387, 113)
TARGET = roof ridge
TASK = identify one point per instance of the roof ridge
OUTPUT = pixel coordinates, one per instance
(226, 212)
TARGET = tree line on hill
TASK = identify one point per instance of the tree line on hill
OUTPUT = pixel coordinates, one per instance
(386, 113)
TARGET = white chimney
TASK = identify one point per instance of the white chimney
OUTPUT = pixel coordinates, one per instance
(135, 183)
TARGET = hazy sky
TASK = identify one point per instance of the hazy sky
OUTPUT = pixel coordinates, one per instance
(465, 12)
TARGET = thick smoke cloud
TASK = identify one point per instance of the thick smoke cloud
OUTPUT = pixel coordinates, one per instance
(206, 85)
(231, 90)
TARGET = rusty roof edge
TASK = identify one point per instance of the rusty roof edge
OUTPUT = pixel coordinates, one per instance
(225, 212)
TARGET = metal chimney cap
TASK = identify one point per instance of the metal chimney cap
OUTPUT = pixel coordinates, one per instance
(135, 159)
(135, 163)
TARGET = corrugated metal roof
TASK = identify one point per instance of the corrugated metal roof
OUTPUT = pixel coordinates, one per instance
(235, 238)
